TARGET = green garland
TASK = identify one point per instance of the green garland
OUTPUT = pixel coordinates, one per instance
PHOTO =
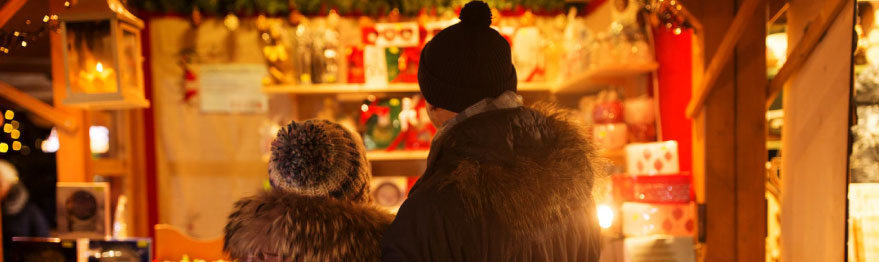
(321, 7)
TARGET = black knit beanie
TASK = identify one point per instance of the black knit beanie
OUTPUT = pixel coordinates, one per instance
(320, 158)
(466, 62)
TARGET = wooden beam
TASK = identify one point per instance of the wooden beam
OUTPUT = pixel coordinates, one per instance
(777, 9)
(31, 104)
(800, 53)
(750, 141)
(724, 52)
(9, 10)
(74, 157)
(774, 14)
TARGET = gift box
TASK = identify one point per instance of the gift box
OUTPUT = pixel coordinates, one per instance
(652, 158)
(610, 136)
(659, 248)
(128, 250)
(27, 249)
(652, 189)
(389, 192)
(642, 219)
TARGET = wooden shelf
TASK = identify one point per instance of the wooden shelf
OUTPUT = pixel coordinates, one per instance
(586, 81)
(362, 88)
(397, 155)
(617, 156)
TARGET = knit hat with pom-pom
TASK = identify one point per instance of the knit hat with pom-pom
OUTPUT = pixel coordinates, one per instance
(320, 158)
(466, 62)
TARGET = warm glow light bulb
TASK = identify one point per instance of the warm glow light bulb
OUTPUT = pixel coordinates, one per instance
(4, 147)
(605, 216)
(51, 144)
(99, 67)
(9, 114)
(15, 134)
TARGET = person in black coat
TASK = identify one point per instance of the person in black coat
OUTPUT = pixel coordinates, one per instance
(21, 218)
(504, 182)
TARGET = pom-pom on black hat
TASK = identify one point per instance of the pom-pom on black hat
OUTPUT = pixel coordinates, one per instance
(466, 62)
(319, 158)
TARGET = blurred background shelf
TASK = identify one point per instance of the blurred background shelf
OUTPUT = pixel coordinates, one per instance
(616, 156)
(397, 155)
(363, 88)
(587, 82)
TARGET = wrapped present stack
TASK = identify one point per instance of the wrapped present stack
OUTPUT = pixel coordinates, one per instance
(658, 215)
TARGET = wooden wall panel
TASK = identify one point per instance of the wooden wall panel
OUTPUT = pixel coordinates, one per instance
(814, 141)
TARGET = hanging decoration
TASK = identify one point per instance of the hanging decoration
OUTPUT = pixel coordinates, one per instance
(667, 13)
(102, 58)
(19, 38)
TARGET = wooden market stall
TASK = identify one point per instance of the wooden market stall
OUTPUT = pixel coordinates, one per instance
(214, 84)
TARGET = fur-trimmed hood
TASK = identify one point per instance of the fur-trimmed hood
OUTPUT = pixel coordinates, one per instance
(527, 167)
(303, 228)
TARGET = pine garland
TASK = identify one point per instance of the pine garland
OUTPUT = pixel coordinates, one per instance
(322, 7)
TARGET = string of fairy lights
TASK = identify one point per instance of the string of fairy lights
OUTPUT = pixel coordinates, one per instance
(17, 38)
(12, 130)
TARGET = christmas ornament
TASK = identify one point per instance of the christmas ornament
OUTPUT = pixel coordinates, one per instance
(380, 121)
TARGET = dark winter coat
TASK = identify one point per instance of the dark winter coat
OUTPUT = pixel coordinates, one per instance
(298, 228)
(504, 185)
(21, 218)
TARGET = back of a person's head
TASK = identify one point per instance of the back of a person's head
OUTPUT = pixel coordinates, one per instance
(466, 62)
(320, 158)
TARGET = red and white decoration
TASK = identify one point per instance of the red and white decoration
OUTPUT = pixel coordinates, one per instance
(642, 219)
(652, 158)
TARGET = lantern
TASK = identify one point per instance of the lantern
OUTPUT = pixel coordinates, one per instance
(102, 59)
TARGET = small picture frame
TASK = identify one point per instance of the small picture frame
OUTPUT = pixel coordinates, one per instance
(389, 192)
(83, 210)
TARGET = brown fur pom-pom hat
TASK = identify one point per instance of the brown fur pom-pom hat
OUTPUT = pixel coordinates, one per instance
(319, 158)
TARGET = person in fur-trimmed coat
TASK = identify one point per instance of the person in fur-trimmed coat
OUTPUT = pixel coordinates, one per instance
(319, 207)
(504, 182)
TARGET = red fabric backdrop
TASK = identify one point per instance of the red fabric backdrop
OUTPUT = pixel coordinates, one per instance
(674, 54)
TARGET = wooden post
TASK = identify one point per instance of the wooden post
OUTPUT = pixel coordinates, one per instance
(730, 135)
(815, 139)
(74, 156)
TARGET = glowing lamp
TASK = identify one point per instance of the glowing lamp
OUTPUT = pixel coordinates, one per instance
(605, 216)
(102, 59)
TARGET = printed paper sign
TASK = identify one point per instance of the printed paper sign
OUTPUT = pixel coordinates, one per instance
(232, 88)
